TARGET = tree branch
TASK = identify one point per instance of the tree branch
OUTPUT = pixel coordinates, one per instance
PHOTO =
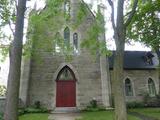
(128, 21)
(112, 14)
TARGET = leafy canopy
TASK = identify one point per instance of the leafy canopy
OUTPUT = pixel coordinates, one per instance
(145, 26)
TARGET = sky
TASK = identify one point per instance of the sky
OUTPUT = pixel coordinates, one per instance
(109, 33)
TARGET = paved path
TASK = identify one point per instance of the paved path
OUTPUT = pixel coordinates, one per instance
(64, 116)
(142, 117)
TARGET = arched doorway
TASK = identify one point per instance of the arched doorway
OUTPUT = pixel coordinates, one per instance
(66, 88)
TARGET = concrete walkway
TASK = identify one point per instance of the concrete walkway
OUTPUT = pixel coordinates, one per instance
(64, 116)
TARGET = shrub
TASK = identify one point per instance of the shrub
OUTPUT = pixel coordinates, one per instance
(32, 110)
(37, 104)
(93, 103)
(93, 106)
(135, 104)
(1, 116)
(151, 101)
(35, 110)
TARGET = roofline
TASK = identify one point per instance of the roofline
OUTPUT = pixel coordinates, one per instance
(88, 8)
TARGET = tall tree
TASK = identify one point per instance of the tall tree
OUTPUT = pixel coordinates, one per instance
(120, 27)
(11, 108)
(145, 28)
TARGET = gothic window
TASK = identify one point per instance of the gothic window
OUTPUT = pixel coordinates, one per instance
(67, 7)
(151, 87)
(56, 42)
(66, 35)
(66, 74)
(128, 87)
(75, 42)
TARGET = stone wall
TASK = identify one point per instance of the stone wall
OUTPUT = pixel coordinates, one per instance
(2, 104)
(42, 84)
(139, 80)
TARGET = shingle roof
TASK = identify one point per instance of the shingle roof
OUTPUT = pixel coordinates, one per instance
(137, 60)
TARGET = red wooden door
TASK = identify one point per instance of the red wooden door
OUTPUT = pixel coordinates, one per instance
(66, 93)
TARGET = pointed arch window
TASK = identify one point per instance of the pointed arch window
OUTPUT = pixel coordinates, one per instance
(128, 87)
(67, 7)
(151, 87)
(56, 43)
(66, 35)
(66, 74)
(75, 42)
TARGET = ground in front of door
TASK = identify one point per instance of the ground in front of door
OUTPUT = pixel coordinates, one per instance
(64, 116)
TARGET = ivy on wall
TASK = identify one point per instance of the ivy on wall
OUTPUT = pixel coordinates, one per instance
(45, 24)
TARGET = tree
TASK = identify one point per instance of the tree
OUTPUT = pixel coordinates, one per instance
(120, 27)
(145, 29)
(11, 108)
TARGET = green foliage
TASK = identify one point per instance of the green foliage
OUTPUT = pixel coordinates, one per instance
(135, 104)
(151, 112)
(94, 43)
(145, 25)
(7, 12)
(34, 116)
(45, 26)
(40, 32)
(151, 101)
(32, 110)
(102, 115)
(4, 53)
(81, 14)
(1, 116)
(93, 106)
(3, 90)
(7, 18)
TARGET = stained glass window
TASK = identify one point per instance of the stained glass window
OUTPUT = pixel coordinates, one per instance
(75, 42)
(66, 35)
(66, 74)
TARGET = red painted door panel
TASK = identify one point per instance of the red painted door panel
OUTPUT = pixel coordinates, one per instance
(66, 93)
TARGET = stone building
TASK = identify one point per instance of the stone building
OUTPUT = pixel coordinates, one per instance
(56, 83)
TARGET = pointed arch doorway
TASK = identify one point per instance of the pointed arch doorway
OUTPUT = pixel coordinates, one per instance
(66, 88)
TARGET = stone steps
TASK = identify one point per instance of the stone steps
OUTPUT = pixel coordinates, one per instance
(65, 110)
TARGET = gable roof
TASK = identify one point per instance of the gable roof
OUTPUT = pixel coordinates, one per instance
(136, 60)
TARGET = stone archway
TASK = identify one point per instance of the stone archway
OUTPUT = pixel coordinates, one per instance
(66, 88)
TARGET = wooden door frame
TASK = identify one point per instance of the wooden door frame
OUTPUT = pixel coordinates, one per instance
(74, 83)
(62, 65)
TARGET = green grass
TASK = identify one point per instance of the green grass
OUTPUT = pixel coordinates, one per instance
(1, 116)
(152, 112)
(102, 115)
(34, 116)
(98, 115)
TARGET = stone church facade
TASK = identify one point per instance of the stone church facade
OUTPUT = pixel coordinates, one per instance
(57, 83)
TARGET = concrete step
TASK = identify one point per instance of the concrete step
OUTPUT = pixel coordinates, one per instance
(66, 110)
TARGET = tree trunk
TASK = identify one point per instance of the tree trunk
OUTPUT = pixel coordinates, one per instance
(118, 86)
(117, 83)
(11, 108)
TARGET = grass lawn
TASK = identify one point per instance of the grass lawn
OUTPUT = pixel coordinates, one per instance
(152, 112)
(98, 115)
(34, 116)
(102, 115)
